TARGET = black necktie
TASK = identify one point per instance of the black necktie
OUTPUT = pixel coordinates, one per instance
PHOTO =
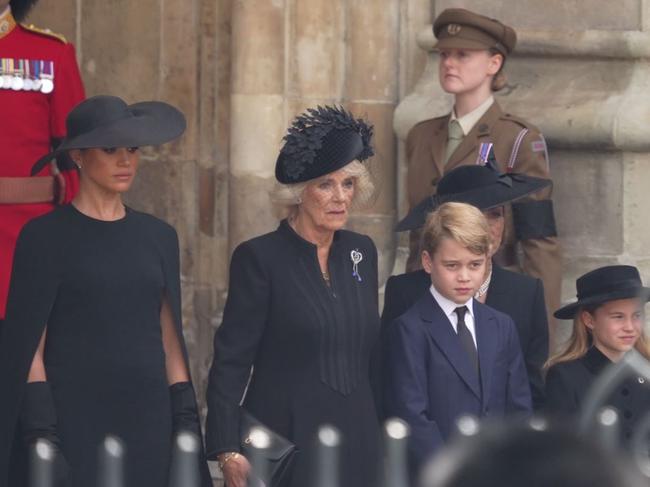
(466, 340)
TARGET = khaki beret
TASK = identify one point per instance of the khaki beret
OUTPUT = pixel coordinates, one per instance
(462, 29)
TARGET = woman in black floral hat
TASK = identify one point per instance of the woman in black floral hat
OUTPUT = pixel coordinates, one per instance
(302, 312)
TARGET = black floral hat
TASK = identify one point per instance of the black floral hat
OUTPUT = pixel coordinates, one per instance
(320, 141)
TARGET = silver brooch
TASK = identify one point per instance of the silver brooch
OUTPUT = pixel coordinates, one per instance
(356, 257)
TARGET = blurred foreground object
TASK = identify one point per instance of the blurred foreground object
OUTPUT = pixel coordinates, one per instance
(516, 456)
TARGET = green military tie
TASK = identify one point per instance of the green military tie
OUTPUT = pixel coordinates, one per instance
(454, 138)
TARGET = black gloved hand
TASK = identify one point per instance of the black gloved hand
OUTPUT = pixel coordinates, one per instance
(38, 420)
(185, 417)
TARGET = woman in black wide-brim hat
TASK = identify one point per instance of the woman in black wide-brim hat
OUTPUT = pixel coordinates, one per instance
(302, 313)
(608, 321)
(93, 342)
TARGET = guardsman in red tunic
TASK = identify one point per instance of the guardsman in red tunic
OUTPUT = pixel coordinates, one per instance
(39, 84)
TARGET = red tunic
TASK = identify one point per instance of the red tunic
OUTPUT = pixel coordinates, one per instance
(29, 120)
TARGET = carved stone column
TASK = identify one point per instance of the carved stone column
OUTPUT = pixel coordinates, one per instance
(257, 113)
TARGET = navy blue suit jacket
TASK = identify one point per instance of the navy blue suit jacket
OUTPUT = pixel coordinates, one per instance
(429, 380)
(519, 296)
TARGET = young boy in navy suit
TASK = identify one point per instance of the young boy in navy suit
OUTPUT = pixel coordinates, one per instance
(449, 355)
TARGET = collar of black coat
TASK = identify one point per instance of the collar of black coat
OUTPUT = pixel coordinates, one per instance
(595, 360)
(285, 229)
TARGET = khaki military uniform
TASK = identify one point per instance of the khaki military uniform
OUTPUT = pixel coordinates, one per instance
(518, 147)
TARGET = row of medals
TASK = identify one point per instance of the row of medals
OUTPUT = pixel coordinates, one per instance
(29, 76)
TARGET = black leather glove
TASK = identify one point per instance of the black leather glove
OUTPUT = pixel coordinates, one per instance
(38, 420)
(185, 417)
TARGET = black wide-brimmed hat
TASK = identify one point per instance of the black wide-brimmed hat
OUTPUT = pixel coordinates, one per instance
(20, 8)
(107, 121)
(481, 186)
(604, 284)
(320, 141)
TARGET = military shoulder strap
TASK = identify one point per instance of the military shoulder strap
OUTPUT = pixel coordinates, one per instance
(45, 32)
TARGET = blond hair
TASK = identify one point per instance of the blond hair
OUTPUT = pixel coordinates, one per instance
(460, 222)
(286, 198)
(499, 80)
(580, 340)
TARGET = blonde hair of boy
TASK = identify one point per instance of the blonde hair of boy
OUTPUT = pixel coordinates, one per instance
(460, 222)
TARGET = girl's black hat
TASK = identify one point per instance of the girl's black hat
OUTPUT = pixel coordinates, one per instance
(604, 284)
(320, 141)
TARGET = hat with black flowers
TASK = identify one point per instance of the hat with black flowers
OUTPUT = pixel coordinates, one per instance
(320, 141)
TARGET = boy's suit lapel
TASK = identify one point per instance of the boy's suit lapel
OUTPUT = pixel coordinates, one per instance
(447, 341)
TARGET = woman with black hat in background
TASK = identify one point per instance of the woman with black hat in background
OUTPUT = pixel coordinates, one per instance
(93, 344)
(519, 296)
(302, 312)
(473, 50)
(608, 321)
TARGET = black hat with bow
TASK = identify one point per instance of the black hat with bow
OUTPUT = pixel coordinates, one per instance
(481, 186)
(105, 121)
(320, 141)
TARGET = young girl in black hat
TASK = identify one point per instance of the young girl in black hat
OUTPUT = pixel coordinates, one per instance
(93, 344)
(608, 321)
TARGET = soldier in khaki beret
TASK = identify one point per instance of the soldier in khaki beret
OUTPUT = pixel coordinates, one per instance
(473, 50)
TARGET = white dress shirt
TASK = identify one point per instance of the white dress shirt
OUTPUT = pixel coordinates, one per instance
(449, 309)
(470, 119)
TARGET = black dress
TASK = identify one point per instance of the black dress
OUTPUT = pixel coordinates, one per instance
(567, 384)
(98, 286)
(309, 346)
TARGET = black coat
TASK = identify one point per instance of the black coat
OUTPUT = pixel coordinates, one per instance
(567, 384)
(309, 346)
(520, 297)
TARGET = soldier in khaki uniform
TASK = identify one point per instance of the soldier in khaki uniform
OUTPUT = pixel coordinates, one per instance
(473, 49)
